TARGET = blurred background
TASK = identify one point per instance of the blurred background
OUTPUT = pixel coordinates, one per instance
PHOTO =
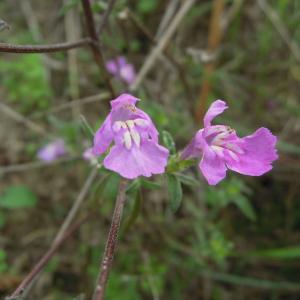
(237, 240)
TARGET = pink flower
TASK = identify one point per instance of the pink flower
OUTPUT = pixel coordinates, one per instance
(121, 69)
(52, 151)
(220, 149)
(89, 156)
(136, 151)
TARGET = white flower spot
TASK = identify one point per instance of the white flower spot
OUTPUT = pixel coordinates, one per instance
(127, 140)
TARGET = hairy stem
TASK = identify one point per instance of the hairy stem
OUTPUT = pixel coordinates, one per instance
(10, 48)
(111, 242)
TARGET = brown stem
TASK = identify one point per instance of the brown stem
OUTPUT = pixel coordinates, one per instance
(214, 38)
(95, 46)
(111, 242)
(10, 48)
(43, 261)
(103, 22)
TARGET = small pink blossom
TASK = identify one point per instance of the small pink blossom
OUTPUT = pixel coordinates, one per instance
(220, 149)
(136, 151)
(121, 69)
(52, 151)
(89, 156)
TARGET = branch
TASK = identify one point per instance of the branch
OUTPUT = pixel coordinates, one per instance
(10, 48)
(43, 261)
(95, 46)
(109, 9)
(162, 43)
(76, 205)
(111, 242)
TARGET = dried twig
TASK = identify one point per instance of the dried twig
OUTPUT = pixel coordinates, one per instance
(107, 12)
(166, 51)
(74, 209)
(214, 39)
(43, 261)
(10, 48)
(73, 33)
(162, 43)
(19, 118)
(167, 17)
(110, 243)
(77, 102)
(34, 165)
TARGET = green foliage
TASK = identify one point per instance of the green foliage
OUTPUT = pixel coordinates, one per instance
(175, 192)
(25, 81)
(231, 191)
(18, 196)
(3, 264)
(2, 219)
(153, 272)
(70, 131)
(175, 164)
(292, 252)
(147, 6)
(187, 179)
(122, 287)
(169, 141)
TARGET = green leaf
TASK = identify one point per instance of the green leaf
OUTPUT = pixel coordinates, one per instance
(187, 180)
(134, 186)
(168, 141)
(134, 213)
(150, 185)
(18, 196)
(279, 253)
(246, 208)
(175, 192)
(176, 165)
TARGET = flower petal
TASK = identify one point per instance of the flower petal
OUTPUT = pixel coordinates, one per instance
(215, 109)
(103, 137)
(52, 151)
(212, 167)
(122, 100)
(148, 159)
(127, 73)
(195, 147)
(259, 153)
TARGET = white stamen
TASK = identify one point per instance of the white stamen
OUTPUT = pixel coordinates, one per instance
(130, 124)
(136, 137)
(233, 155)
(127, 140)
(214, 129)
(140, 122)
(218, 150)
(234, 148)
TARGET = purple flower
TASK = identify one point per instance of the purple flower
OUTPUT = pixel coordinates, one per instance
(89, 155)
(52, 151)
(220, 149)
(136, 150)
(120, 68)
